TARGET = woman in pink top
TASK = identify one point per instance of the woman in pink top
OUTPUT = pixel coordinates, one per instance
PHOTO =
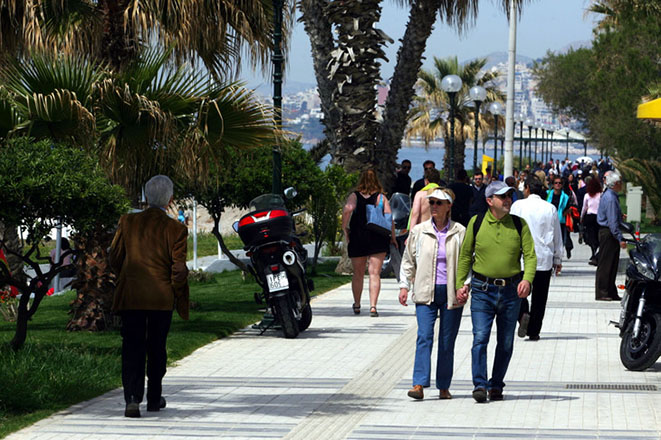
(589, 216)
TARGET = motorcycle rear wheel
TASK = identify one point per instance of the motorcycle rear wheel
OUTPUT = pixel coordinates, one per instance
(286, 318)
(306, 318)
(641, 353)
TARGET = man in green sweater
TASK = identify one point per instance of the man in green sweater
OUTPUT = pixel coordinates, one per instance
(492, 248)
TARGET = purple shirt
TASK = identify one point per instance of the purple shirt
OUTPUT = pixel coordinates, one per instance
(441, 261)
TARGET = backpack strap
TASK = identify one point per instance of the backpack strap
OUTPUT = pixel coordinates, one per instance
(517, 223)
(476, 226)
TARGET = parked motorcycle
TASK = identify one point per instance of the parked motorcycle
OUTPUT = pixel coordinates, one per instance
(640, 317)
(277, 261)
(400, 206)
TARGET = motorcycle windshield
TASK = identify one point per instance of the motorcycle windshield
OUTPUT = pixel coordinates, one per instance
(400, 205)
(266, 202)
(652, 246)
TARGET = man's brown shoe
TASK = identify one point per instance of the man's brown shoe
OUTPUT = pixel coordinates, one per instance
(416, 392)
(444, 394)
(495, 394)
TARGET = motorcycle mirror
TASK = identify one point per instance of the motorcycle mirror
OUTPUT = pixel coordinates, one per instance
(235, 226)
(290, 192)
(627, 227)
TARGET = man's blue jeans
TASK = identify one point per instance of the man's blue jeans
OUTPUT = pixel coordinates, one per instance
(447, 334)
(488, 302)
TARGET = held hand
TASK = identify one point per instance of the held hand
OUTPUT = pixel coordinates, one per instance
(523, 289)
(462, 295)
(557, 268)
(403, 296)
(623, 244)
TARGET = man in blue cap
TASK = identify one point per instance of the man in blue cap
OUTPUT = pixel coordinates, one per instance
(492, 249)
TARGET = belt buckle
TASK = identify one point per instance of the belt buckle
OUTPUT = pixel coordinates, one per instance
(500, 282)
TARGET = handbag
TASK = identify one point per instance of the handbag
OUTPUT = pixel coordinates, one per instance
(377, 220)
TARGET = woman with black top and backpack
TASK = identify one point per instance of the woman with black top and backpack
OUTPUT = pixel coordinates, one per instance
(365, 244)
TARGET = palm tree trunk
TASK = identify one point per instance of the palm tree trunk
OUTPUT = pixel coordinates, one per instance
(9, 237)
(94, 285)
(118, 47)
(320, 32)
(409, 60)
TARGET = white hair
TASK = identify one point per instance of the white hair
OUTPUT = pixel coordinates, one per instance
(158, 191)
(611, 178)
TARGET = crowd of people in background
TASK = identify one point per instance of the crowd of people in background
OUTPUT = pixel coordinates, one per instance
(497, 239)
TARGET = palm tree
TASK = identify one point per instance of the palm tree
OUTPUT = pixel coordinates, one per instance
(215, 32)
(340, 105)
(429, 117)
(612, 11)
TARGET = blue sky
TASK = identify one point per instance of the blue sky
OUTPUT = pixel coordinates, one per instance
(544, 25)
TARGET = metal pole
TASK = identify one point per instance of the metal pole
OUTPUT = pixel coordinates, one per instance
(509, 105)
(521, 147)
(194, 234)
(277, 91)
(535, 144)
(495, 147)
(530, 146)
(567, 148)
(58, 251)
(477, 125)
(452, 103)
(585, 148)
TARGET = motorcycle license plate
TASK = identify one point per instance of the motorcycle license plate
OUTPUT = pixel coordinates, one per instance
(277, 281)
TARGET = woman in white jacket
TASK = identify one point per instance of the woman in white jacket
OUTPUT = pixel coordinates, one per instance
(430, 265)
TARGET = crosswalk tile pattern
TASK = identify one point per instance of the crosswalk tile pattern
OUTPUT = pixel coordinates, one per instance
(346, 378)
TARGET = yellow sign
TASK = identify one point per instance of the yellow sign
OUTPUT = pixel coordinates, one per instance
(486, 162)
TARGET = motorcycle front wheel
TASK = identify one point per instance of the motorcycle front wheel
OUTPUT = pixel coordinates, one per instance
(286, 318)
(638, 354)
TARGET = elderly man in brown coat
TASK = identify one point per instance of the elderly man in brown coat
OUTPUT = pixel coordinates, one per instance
(148, 254)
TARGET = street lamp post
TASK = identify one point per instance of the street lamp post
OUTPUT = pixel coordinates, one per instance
(278, 59)
(567, 145)
(451, 84)
(551, 133)
(496, 109)
(477, 94)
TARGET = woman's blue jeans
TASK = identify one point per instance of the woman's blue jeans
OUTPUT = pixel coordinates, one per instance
(488, 302)
(447, 334)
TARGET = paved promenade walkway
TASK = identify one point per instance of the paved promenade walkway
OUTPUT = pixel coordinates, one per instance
(347, 377)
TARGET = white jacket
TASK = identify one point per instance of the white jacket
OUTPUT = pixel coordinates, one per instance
(419, 262)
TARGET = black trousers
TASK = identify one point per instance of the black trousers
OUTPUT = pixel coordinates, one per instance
(591, 232)
(144, 334)
(609, 259)
(538, 298)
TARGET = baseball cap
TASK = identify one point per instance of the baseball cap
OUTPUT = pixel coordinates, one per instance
(497, 188)
(440, 195)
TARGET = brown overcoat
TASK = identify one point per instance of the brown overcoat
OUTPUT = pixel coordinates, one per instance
(148, 253)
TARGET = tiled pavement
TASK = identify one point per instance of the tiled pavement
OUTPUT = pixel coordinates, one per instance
(347, 377)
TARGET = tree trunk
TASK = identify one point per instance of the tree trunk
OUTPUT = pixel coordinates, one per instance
(10, 238)
(319, 29)
(409, 60)
(91, 310)
(118, 45)
(223, 247)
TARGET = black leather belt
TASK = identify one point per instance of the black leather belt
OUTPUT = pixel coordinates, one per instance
(501, 282)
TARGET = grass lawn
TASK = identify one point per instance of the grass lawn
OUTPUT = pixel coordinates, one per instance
(208, 245)
(57, 369)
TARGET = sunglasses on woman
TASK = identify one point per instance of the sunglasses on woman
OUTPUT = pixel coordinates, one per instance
(435, 202)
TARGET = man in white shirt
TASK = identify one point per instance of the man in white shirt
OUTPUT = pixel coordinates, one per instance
(542, 219)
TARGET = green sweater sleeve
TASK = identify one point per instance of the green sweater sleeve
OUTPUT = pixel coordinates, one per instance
(529, 256)
(465, 255)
